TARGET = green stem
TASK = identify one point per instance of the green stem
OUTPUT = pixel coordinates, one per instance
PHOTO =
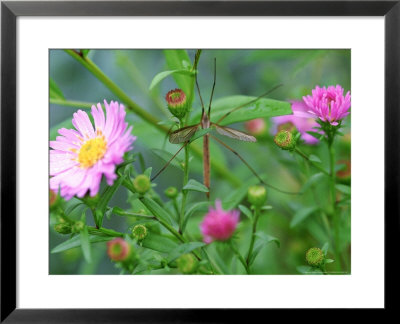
(71, 103)
(324, 218)
(311, 162)
(131, 105)
(333, 201)
(253, 236)
(184, 192)
(236, 251)
(109, 232)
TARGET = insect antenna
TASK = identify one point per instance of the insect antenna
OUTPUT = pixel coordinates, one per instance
(170, 160)
(252, 170)
(201, 99)
(213, 87)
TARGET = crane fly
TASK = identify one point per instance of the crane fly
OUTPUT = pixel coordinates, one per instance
(185, 134)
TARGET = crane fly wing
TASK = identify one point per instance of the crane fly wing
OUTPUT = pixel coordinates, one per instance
(183, 134)
(233, 133)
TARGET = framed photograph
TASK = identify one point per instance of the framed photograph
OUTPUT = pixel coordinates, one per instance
(154, 160)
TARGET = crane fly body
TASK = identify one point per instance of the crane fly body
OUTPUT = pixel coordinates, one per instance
(185, 134)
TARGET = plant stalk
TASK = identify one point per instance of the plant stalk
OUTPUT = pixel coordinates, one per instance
(333, 199)
(253, 236)
(241, 259)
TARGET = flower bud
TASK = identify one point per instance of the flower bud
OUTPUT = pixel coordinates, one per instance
(139, 232)
(315, 257)
(118, 249)
(142, 184)
(177, 103)
(289, 126)
(256, 127)
(171, 192)
(63, 228)
(285, 140)
(257, 195)
(78, 226)
(187, 263)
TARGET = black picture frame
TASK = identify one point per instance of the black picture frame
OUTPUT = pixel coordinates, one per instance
(11, 10)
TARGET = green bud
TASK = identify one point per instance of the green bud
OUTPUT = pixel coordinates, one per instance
(187, 263)
(257, 195)
(142, 184)
(285, 140)
(315, 257)
(78, 227)
(62, 228)
(177, 103)
(171, 192)
(139, 232)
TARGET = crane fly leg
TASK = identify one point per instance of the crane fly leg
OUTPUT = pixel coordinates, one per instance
(170, 160)
(206, 162)
(251, 169)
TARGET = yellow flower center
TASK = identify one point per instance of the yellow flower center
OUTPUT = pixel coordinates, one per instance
(92, 151)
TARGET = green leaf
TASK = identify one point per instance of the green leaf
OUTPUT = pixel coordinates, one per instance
(183, 249)
(148, 171)
(343, 188)
(325, 248)
(194, 185)
(301, 215)
(304, 269)
(73, 208)
(156, 209)
(76, 242)
(266, 207)
(263, 240)
(85, 244)
(85, 52)
(166, 156)
(316, 135)
(179, 60)
(162, 75)
(314, 158)
(329, 261)
(313, 180)
(246, 211)
(261, 108)
(159, 243)
(193, 208)
(55, 91)
(105, 199)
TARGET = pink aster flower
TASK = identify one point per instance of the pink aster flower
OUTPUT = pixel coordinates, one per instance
(329, 104)
(218, 224)
(301, 120)
(79, 158)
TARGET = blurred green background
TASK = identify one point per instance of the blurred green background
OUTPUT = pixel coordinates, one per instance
(239, 72)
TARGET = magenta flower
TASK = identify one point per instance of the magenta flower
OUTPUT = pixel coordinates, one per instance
(301, 120)
(81, 157)
(218, 224)
(329, 104)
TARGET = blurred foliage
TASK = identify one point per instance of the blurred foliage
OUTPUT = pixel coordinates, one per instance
(296, 220)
